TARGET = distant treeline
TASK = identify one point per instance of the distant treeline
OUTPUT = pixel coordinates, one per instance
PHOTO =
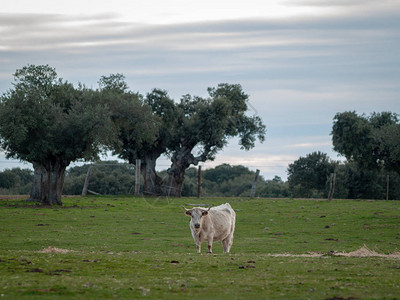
(113, 178)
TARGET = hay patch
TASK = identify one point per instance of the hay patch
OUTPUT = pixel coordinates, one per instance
(364, 251)
(54, 250)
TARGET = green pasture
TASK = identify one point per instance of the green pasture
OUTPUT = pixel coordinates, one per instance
(125, 247)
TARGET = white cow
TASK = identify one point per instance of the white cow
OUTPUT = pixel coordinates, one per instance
(212, 224)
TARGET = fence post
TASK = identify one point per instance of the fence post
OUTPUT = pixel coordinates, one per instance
(253, 187)
(199, 182)
(332, 186)
(87, 180)
(387, 187)
(170, 186)
(137, 177)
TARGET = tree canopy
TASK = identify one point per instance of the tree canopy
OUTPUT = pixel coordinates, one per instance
(135, 122)
(50, 123)
(44, 119)
(308, 175)
(371, 141)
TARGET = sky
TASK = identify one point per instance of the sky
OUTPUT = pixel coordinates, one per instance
(300, 62)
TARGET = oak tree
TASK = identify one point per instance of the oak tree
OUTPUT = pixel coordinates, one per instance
(307, 176)
(206, 125)
(50, 123)
(370, 141)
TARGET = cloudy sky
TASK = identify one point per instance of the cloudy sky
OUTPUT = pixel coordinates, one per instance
(301, 62)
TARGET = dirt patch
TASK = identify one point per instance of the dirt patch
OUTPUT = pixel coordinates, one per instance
(54, 250)
(24, 197)
(309, 254)
(14, 197)
(364, 251)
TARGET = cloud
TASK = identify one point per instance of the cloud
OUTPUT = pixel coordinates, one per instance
(349, 6)
(311, 145)
(105, 31)
(299, 62)
(269, 165)
(170, 11)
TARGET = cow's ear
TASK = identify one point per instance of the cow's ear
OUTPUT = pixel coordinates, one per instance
(204, 213)
(187, 211)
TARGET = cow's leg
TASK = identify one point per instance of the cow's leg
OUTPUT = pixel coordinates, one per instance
(209, 244)
(230, 242)
(198, 246)
(210, 239)
(229, 239)
(227, 243)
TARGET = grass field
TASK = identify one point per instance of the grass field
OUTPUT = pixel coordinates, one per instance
(124, 247)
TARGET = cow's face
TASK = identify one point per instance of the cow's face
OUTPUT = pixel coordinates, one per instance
(197, 215)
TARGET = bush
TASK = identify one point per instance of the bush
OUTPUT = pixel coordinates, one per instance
(16, 181)
(108, 178)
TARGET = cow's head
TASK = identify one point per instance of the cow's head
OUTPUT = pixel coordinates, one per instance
(197, 214)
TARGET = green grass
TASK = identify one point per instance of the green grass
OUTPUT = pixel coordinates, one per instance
(124, 247)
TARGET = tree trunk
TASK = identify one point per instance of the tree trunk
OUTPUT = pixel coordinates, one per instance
(254, 185)
(332, 186)
(152, 183)
(137, 176)
(181, 160)
(176, 177)
(48, 183)
(87, 180)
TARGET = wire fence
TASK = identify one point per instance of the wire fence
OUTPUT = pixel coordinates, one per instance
(384, 187)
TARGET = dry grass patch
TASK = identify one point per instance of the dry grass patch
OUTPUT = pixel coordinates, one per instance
(55, 250)
(364, 251)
